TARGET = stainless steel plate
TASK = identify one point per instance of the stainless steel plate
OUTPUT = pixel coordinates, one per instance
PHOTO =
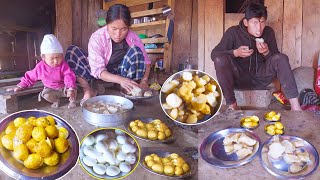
(17, 170)
(166, 153)
(279, 167)
(148, 120)
(125, 94)
(212, 149)
(110, 132)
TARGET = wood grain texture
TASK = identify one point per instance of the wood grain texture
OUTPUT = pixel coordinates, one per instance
(201, 33)
(310, 32)
(275, 18)
(76, 23)
(232, 19)
(292, 31)
(84, 24)
(64, 22)
(214, 28)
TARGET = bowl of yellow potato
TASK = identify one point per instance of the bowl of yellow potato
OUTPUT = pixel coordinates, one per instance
(250, 122)
(37, 145)
(191, 97)
(150, 129)
(272, 116)
(276, 128)
(167, 163)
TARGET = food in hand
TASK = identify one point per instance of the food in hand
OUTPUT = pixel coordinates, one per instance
(261, 40)
(110, 153)
(190, 98)
(272, 116)
(274, 129)
(34, 141)
(155, 130)
(295, 156)
(239, 143)
(250, 122)
(172, 165)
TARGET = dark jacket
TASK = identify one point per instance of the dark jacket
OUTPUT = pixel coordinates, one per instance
(237, 36)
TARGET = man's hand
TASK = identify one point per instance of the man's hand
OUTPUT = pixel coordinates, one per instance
(263, 48)
(15, 89)
(243, 51)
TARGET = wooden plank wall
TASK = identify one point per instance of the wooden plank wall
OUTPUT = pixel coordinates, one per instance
(63, 28)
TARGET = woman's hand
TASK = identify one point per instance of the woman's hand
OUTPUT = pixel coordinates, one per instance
(128, 84)
(144, 84)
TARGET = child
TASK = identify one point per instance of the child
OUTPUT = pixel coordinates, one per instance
(57, 77)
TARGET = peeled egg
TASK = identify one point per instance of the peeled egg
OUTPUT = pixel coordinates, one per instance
(119, 132)
(101, 147)
(102, 160)
(121, 139)
(93, 153)
(100, 169)
(125, 167)
(131, 158)
(89, 140)
(89, 161)
(112, 171)
(108, 154)
(113, 145)
(101, 137)
(127, 148)
(121, 156)
(86, 149)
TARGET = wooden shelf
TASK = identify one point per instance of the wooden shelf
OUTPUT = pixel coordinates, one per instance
(155, 51)
(149, 25)
(128, 3)
(155, 40)
(146, 13)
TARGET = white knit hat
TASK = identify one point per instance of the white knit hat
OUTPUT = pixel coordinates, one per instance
(50, 44)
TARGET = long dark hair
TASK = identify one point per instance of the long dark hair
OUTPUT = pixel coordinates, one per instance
(255, 10)
(119, 11)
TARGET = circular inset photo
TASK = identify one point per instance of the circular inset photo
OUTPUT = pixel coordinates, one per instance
(191, 97)
(37, 145)
(109, 153)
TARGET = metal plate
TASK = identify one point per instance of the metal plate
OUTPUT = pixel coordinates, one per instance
(178, 75)
(15, 169)
(110, 132)
(166, 153)
(279, 167)
(125, 94)
(148, 120)
(212, 149)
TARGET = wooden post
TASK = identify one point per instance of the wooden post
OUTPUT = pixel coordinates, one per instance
(63, 29)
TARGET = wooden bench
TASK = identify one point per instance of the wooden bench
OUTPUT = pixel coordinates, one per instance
(9, 100)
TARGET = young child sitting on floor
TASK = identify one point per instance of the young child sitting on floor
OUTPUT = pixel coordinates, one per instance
(54, 72)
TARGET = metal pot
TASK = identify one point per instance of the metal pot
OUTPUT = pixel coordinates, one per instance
(108, 120)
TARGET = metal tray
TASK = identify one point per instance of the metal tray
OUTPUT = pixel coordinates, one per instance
(212, 149)
(166, 153)
(125, 94)
(148, 120)
(110, 132)
(279, 168)
(16, 169)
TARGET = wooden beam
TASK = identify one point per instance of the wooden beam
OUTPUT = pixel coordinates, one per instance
(275, 19)
(146, 13)
(77, 23)
(149, 25)
(64, 22)
(214, 28)
(155, 40)
(310, 33)
(128, 3)
(155, 51)
(292, 31)
(201, 33)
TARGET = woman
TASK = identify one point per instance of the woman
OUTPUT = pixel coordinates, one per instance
(116, 54)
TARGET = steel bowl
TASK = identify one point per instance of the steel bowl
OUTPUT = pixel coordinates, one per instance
(16, 169)
(178, 75)
(108, 120)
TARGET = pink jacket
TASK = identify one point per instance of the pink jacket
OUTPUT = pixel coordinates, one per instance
(100, 49)
(51, 77)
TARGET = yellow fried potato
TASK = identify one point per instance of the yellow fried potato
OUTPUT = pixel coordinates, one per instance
(174, 113)
(142, 133)
(192, 119)
(278, 125)
(157, 168)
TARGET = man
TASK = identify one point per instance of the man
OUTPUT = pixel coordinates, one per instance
(245, 61)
